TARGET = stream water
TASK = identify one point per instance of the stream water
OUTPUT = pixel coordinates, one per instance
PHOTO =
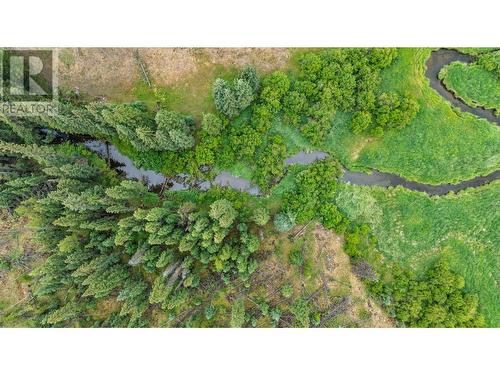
(435, 63)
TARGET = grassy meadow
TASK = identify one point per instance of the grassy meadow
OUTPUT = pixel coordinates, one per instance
(473, 84)
(414, 229)
(442, 144)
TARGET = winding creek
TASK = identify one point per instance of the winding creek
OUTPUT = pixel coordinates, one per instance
(436, 62)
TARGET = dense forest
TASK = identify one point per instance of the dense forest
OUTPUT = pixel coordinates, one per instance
(113, 252)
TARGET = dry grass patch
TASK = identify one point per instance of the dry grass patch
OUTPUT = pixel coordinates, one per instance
(182, 75)
(323, 280)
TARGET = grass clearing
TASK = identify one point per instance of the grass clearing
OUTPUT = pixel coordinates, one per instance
(414, 229)
(18, 249)
(473, 84)
(475, 51)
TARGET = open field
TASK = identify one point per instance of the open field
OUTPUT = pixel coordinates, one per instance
(473, 84)
(182, 76)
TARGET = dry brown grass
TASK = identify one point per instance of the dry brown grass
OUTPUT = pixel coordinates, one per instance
(15, 241)
(186, 73)
(331, 276)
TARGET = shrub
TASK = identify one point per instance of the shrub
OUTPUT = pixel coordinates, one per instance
(284, 221)
(212, 124)
(301, 311)
(238, 314)
(210, 311)
(260, 216)
(360, 122)
(286, 290)
(332, 218)
(296, 257)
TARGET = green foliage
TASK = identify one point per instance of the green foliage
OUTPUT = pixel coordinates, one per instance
(314, 188)
(269, 163)
(475, 84)
(260, 216)
(491, 62)
(64, 313)
(249, 74)
(110, 241)
(223, 212)
(294, 106)
(238, 313)
(332, 218)
(243, 94)
(224, 98)
(172, 131)
(337, 80)
(358, 205)
(393, 112)
(301, 312)
(361, 121)
(212, 124)
(287, 290)
(274, 88)
(359, 242)
(275, 314)
(414, 228)
(284, 221)
(232, 98)
(95, 229)
(436, 300)
(296, 257)
(210, 312)
(441, 144)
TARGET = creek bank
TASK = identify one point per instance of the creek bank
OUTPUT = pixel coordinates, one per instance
(226, 179)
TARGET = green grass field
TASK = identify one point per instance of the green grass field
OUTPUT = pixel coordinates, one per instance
(475, 51)
(441, 144)
(413, 229)
(473, 84)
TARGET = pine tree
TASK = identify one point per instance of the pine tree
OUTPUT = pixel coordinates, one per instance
(128, 196)
(243, 94)
(64, 313)
(249, 74)
(173, 132)
(224, 98)
(284, 221)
